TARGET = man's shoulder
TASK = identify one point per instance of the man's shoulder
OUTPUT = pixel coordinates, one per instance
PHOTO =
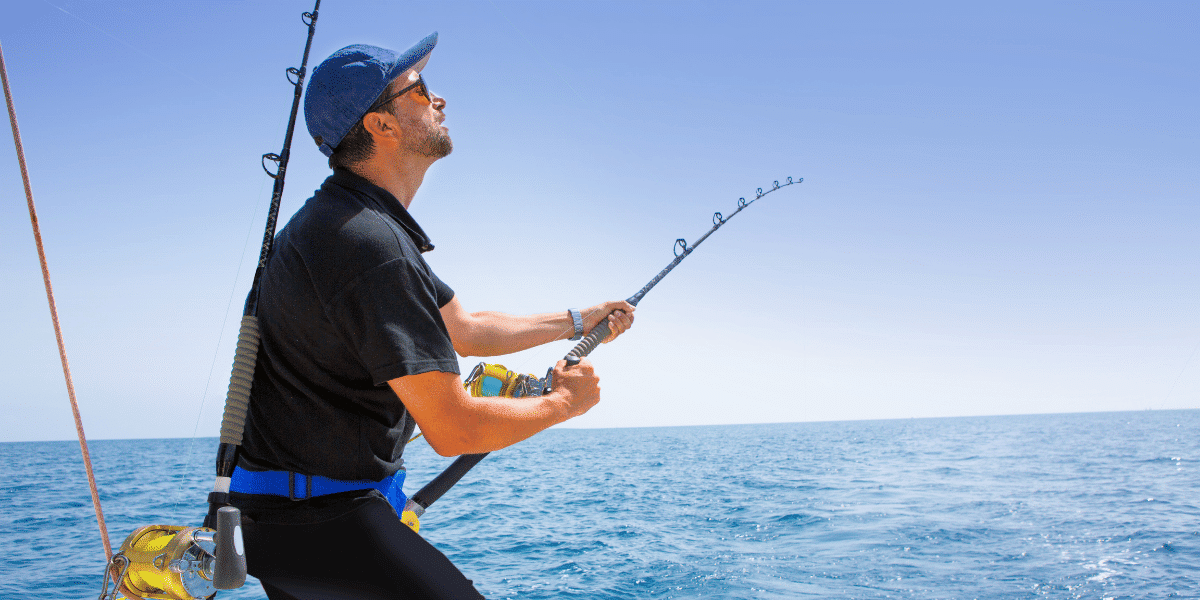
(338, 239)
(345, 227)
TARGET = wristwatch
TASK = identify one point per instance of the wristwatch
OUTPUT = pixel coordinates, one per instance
(577, 319)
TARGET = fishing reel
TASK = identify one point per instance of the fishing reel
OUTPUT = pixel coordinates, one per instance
(170, 562)
(496, 380)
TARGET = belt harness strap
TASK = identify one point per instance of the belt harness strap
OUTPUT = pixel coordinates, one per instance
(296, 486)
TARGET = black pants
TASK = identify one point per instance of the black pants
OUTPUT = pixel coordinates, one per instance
(359, 550)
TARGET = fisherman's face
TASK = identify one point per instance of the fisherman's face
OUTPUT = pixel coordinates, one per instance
(420, 113)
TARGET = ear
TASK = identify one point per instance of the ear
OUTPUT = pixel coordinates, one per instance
(380, 125)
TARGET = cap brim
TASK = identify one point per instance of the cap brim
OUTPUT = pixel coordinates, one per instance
(414, 58)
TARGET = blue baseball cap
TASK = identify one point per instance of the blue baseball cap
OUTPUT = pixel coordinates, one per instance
(344, 85)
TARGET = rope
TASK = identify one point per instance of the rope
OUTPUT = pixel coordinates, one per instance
(62, 350)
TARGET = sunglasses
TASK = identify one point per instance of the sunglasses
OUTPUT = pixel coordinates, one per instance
(420, 87)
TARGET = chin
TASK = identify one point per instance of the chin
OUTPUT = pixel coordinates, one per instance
(441, 151)
(436, 144)
(445, 146)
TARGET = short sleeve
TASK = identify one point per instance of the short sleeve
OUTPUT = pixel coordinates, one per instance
(389, 316)
(443, 293)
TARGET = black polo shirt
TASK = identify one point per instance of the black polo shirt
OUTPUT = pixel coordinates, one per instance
(346, 304)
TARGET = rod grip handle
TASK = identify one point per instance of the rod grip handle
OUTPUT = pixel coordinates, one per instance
(241, 379)
(588, 343)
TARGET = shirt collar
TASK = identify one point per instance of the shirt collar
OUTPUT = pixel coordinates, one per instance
(385, 201)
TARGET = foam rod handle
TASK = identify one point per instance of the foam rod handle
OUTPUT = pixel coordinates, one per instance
(588, 343)
(229, 572)
(241, 379)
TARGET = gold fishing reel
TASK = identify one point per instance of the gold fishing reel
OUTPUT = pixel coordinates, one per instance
(488, 379)
(171, 562)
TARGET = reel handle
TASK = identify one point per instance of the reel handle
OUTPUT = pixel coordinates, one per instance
(229, 572)
(588, 343)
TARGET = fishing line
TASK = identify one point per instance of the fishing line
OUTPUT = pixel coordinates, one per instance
(1186, 364)
(179, 491)
(169, 68)
(225, 319)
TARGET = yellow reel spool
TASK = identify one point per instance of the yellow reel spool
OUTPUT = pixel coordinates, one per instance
(166, 562)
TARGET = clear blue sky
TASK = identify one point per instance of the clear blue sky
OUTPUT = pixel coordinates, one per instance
(999, 212)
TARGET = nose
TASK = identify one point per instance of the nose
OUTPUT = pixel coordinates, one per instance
(439, 102)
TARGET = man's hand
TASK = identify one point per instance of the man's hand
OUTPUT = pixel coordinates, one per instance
(578, 386)
(620, 318)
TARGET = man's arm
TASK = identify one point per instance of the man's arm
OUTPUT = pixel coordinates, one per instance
(489, 333)
(455, 423)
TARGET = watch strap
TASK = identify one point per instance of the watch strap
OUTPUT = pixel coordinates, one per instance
(577, 319)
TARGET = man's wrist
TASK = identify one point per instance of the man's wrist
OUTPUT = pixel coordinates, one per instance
(559, 405)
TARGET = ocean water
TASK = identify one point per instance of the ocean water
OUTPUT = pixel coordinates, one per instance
(1102, 505)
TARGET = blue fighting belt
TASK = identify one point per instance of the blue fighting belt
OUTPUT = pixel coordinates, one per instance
(302, 487)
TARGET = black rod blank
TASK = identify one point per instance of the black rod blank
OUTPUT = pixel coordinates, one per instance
(457, 469)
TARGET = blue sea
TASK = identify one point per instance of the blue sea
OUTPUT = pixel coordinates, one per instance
(1101, 505)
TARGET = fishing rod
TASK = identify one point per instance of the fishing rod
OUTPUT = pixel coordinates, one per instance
(188, 563)
(527, 385)
(237, 399)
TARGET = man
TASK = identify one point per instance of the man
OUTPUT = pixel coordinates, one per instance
(358, 346)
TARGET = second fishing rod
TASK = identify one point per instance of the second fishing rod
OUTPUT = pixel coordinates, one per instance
(241, 381)
(511, 384)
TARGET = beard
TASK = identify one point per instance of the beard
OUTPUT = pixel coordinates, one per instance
(428, 141)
